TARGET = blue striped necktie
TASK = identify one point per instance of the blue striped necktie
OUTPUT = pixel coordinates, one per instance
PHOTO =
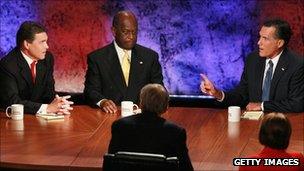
(267, 82)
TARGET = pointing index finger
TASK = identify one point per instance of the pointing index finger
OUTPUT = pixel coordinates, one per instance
(204, 78)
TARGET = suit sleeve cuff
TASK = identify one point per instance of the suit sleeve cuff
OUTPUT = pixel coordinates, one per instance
(223, 97)
(100, 102)
(42, 109)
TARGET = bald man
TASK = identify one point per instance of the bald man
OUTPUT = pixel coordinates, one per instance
(118, 71)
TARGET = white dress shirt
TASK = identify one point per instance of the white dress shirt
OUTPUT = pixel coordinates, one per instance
(120, 53)
(275, 61)
(29, 61)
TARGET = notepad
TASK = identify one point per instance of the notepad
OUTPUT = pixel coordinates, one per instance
(46, 114)
(137, 111)
(252, 115)
(51, 117)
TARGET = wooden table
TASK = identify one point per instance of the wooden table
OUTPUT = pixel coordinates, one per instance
(79, 141)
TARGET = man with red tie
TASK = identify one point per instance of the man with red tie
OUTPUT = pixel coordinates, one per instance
(26, 74)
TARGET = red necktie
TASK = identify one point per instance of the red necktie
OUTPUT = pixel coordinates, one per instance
(33, 70)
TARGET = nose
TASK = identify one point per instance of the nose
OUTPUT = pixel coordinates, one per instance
(259, 42)
(130, 36)
(46, 46)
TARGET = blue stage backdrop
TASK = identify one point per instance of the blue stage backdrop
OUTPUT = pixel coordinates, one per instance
(191, 36)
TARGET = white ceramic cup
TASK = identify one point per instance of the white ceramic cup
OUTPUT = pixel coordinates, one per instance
(127, 108)
(15, 111)
(234, 114)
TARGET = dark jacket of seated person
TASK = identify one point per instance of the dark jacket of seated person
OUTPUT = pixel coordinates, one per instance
(148, 132)
(26, 74)
(275, 131)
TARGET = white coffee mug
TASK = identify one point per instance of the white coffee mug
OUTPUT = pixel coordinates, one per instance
(127, 108)
(16, 111)
(234, 114)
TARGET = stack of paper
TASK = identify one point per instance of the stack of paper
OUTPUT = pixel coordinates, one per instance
(252, 115)
(137, 111)
(50, 116)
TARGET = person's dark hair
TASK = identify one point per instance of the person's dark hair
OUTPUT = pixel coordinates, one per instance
(283, 30)
(27, 32)
(154, 99)
(275, 131)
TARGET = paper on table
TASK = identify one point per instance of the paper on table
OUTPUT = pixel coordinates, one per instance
(252, 115)
(137, 111)
(51, 117)
(46, 114)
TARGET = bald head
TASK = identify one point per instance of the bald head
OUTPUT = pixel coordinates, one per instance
(124, 29)
(122, 15)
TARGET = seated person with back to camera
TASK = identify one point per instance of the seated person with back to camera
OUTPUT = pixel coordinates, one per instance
(148, 132)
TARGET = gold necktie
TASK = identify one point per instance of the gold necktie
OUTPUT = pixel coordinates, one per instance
(126, 67)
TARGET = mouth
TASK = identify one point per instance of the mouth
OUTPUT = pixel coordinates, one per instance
(129, 42)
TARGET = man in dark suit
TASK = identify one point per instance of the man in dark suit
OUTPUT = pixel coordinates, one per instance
(119, 70)
(273, 77)
(26, 74)
(148, 132)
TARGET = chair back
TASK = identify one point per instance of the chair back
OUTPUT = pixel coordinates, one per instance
(133, 161)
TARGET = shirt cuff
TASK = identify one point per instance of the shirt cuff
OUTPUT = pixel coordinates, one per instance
(98, 103)
(262, 106)
(42, 109)
(223, 96)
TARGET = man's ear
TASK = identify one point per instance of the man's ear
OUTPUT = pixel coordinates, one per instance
(113, 31)
(26, 44)
(281, 43)
(165, 110)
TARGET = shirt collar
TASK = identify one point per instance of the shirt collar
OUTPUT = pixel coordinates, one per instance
(29, 60)
(121, 50)
(275, 59)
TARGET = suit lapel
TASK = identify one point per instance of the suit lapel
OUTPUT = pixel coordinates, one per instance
(260, 75)
(40, 73)
(25, 70)
(135, 70)
(115, 70)
(280, 69)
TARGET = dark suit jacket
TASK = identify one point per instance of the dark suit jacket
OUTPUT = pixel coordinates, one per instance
(104, 77)
(16, 85)
(274, 153)
(287, 85)
(149, 133)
